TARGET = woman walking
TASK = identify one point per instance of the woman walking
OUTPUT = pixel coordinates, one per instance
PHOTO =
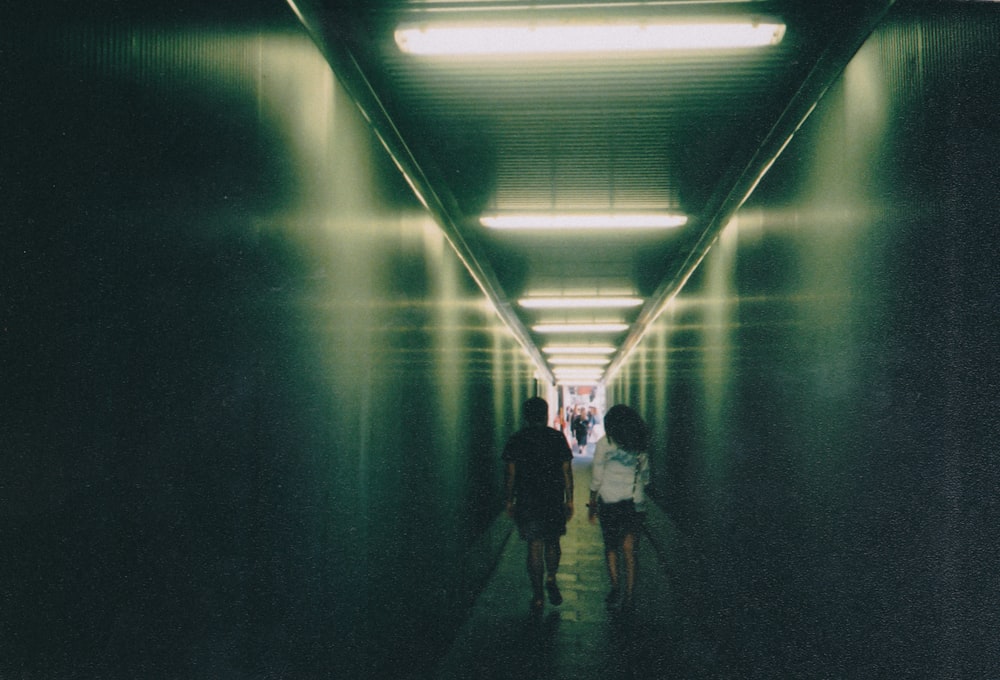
(617, 496)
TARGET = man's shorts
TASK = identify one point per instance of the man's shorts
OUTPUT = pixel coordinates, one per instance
(541, 526)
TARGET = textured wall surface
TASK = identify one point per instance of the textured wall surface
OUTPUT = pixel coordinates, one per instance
(252, 402)
(824, 391)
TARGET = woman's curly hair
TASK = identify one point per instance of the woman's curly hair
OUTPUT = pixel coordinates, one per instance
(626, 428)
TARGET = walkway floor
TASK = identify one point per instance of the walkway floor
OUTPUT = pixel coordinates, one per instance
(579, 639)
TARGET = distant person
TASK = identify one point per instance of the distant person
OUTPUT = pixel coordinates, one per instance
(560, 423)
(617, 496)
(596, 426)
(581, 428)
(539, 488)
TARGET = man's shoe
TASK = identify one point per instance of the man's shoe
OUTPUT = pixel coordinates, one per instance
(555, 597)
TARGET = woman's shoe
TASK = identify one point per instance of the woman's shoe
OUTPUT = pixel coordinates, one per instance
(611, 601)
(555, 597)
(537, 605)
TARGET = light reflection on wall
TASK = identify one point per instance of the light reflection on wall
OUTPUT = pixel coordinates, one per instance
(718, 317)
(501, 374)
(848, 377)
(450, 371)
(352, 341)
(658, 422)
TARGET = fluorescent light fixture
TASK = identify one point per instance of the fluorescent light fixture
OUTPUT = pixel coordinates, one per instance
(577, 370)
(583, 221)
(579, 302)
(579, 349)
(574, 37)
(579, 361)
(580, 328)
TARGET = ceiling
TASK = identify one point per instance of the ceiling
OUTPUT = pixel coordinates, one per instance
(687, 132)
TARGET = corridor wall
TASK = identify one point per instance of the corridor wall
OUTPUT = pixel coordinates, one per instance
(252, 402)
(824, 390)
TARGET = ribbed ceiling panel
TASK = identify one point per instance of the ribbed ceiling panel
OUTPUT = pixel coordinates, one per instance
(672, 131)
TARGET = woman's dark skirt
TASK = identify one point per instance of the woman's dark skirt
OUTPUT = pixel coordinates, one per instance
(618, 520)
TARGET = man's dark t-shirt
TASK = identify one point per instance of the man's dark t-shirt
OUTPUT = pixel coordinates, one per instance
(538, 453)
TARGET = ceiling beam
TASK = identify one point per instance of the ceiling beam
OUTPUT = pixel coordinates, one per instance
(736, 187)
(442, 206)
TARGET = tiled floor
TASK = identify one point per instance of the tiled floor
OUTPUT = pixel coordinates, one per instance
(579, 639)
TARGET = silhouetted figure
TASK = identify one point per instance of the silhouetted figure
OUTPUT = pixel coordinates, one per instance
(617, 496)
(581, 428)
(539, 488)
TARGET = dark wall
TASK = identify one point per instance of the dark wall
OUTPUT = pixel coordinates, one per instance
(249, 392)
(824, 391)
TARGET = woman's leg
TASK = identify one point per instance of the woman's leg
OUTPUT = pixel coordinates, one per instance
(630, 549)
(611, 555)
(612, 560)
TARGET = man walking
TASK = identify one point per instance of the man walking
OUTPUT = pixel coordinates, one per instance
(539, 492)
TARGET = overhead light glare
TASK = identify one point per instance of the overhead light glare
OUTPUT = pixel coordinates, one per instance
(580, 328)
(579, 302)
(583, 221)
(574, 37)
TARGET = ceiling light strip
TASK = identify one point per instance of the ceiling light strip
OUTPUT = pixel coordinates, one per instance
(583, 221)
(579, 349)
(579, 302)
(579, 37)
(446, 6)
(580, 328)
(582, 360)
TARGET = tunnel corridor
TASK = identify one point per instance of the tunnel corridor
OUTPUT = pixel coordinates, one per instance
(253, 397)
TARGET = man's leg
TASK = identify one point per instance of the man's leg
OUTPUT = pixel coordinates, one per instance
(553, 553)
(536, 568)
